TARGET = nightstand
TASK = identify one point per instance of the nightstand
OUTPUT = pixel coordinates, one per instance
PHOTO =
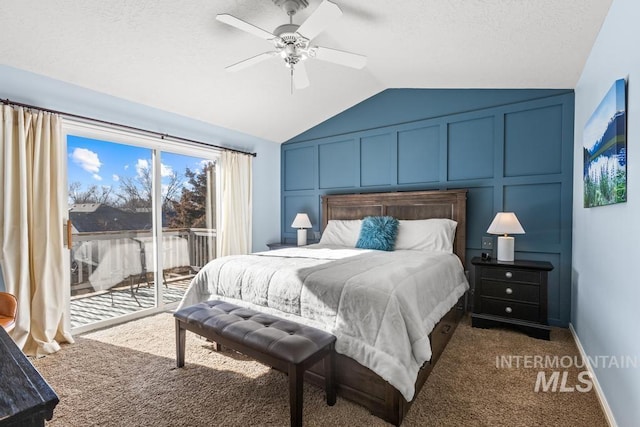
(512, 294)
(280, 245)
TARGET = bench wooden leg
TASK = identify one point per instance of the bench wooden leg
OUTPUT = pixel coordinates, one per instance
(296, 375)
(330, 377)
(216, 346)
(181, 335)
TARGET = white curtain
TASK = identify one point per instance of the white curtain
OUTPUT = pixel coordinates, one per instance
(31, 218)
(210, 208)
(234, 232)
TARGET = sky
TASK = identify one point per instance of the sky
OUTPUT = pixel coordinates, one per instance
(95, 162)
(612, 102)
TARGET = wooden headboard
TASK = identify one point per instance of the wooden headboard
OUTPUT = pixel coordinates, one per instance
(450, 204)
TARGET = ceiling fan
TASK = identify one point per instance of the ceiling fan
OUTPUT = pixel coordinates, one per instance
(293, 42)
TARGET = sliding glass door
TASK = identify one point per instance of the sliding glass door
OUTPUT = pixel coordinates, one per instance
(142, 223)
(188, 220)
(111, 214)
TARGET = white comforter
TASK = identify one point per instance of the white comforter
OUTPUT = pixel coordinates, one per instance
(381, 306)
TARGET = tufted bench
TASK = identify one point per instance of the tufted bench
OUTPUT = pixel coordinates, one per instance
(282, 344)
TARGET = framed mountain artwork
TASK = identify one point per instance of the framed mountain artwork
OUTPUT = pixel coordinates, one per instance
(605, 150)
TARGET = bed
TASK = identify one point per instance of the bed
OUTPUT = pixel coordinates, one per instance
(383, 356)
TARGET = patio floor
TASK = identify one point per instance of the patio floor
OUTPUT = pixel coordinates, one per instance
(87, 309)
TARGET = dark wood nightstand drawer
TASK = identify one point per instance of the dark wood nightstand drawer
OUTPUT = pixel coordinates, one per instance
(510, 291)
(510, 274)
(511, 309)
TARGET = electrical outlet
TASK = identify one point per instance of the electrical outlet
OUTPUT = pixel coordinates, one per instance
(487, 243)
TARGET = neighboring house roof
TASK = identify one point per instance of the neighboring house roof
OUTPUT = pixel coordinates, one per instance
(84, 207)
(90, 217)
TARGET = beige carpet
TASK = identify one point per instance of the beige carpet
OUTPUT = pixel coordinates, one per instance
(126, 376)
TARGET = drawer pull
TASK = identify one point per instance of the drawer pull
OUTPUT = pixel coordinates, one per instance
(508, 275)
(508, 310)
(509, 291)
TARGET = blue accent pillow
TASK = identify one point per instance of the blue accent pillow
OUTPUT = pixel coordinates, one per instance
(378, 232)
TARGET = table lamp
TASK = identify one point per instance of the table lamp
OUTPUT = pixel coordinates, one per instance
(505, 223)
(301, 222)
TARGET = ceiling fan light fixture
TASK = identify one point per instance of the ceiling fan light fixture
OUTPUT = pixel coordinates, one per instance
(292, 42)
(292, 60)
(291, 7)
(286, 31)
(290, 49)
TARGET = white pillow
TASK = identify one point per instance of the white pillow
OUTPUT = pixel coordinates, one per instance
(341, 232)
(436, 234)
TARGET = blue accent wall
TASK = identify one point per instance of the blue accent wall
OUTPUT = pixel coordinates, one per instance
(512, 149)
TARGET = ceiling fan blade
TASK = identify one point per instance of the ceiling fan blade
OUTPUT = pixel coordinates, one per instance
(324, 15)
(250, 61)
(348, 59)
(300, 77)
(244, 26)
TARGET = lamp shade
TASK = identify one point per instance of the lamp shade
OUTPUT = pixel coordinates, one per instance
(505, 223)
(301, 221)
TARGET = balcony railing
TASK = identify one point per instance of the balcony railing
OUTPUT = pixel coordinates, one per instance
(108, 259)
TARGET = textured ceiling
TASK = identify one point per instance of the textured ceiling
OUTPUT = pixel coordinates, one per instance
(171, 54)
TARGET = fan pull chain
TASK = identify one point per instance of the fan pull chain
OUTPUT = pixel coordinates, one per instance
(292, 80)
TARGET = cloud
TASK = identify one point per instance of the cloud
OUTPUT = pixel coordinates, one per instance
(97, 177)
(204, 163)
(141, 166)
(166, 170)
(115, 177)
(86, 159)
(126, 167)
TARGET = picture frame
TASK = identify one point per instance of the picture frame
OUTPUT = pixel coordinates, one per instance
(605, 150)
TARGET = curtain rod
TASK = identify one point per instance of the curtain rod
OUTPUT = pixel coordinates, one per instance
(104, 122)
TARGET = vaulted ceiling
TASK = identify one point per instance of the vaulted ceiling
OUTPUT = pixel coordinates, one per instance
(172, 54)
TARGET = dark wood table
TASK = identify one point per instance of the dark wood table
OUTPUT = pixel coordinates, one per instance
(25, 397)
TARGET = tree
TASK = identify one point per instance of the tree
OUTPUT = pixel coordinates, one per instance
(132, 194)
(191, 210)
(93, 194)
(136, 192)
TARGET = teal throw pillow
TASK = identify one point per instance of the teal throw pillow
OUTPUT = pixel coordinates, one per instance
(378, 232)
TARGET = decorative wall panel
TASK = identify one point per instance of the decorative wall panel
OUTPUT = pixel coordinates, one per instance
(538, 207)
(481, 203)
(338, 164)
(376, 153)
(533, 142)
(471, 145)
(299, 164)
(419, 155)
(303, 204)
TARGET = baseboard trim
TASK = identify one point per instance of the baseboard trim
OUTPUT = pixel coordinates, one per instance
(596, 385)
